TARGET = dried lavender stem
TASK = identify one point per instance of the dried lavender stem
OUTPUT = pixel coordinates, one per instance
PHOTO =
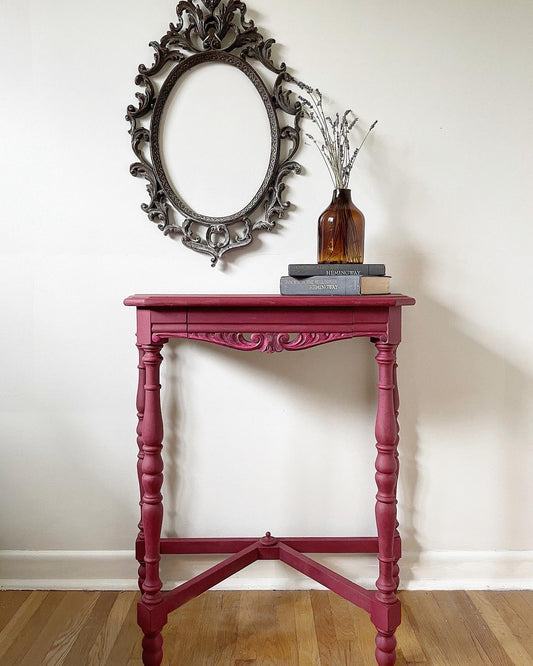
(335, 147)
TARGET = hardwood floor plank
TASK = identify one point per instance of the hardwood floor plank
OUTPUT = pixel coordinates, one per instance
(21, 616)
(88, 635)
(260, 624)
(353, 630)
(365, 634)
(520, 627)
(328, 647)
(10, 601)
(459, 643)
(205, 632)
(504, 635)
(527, 597)
(64, 629)
(227, 628)
(245, 647)
(185, 634)
(285, 629)
(343, 618)
(425, 609)
(304, 625)
(105, 640)
(182, 633)
(31, 629)
(521, 604)
(480, 632)
(409, 649)
(128, 642)
(58, 635)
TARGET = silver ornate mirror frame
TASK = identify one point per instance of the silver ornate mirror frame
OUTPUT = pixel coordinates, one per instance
(218, 32)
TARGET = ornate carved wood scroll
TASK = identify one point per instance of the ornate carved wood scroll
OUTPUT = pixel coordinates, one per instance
(269, 342)
(212, 31)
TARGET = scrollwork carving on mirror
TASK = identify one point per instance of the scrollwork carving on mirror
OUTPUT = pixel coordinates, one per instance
(212, 31)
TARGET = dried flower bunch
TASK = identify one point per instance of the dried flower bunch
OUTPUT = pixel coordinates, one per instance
(334, 146)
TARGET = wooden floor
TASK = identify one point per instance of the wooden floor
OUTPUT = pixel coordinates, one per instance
(275, 628)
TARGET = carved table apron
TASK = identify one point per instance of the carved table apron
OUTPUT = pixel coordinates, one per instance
(269, 324)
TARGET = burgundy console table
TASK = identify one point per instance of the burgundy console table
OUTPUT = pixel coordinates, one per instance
(269, 324)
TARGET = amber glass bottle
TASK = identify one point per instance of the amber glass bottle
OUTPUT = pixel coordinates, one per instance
(341, 231)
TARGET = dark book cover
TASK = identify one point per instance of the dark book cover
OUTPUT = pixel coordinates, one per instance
(310, 270)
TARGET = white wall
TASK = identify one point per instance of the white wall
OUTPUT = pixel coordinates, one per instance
(259, 442)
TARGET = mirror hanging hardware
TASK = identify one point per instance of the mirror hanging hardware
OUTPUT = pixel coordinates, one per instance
(218, 33)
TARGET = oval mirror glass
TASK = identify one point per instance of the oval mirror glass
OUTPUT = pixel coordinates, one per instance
(214, 139)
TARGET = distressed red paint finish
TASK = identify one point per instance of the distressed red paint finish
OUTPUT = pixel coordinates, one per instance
(268, 324)
(140, 455)
(152, 501)
(386, 481)
(269, 342)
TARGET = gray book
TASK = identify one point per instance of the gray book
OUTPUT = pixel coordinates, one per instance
(308, 270)
(337, 285)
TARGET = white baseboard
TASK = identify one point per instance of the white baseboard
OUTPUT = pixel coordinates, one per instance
(117, 570)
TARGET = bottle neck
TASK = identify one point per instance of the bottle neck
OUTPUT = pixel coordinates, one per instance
(342, 194)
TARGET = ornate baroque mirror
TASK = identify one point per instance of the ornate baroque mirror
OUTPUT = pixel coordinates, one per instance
(212, 47)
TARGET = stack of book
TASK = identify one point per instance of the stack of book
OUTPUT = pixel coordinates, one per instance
(335, 280)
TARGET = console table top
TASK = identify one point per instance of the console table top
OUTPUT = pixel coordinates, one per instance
(264, 301)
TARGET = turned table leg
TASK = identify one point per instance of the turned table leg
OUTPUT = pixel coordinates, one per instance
(396, 396)
(152, 505)
(386, 480)
(140, 456)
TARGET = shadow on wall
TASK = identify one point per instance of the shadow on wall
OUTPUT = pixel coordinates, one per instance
(450, 382)
(466, 434)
